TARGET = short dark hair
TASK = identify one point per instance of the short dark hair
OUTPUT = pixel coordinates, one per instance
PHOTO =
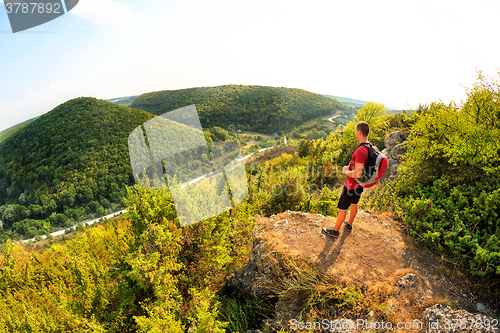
(363, 127)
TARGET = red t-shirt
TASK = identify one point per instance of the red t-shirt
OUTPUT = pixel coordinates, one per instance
(359, 156)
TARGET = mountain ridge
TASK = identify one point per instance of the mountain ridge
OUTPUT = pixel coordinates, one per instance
(258, 108)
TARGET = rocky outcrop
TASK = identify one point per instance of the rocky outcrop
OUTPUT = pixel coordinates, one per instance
(372, 256)
(441, 318)
(395, 149)
(244, 279)
(395, 138)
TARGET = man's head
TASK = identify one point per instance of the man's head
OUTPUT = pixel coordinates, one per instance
(362, 131)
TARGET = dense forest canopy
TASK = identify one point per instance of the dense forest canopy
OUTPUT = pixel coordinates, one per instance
(72, 163)
(72, 160)
(256, 108)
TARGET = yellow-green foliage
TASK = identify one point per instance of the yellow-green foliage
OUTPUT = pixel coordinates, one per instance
(68, 287)
(291, 182)
(181, 269)
(449, 189)
(147, 274)
(375, 115)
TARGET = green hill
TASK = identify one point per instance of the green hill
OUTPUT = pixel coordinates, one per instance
(14, 129)
(72, 160)
(253, 108)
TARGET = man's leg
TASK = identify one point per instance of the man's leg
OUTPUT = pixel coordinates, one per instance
(352, 215)
(340, 218)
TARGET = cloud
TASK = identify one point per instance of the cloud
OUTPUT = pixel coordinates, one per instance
(104, 12)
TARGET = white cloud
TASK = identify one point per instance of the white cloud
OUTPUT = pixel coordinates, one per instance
(104, 12)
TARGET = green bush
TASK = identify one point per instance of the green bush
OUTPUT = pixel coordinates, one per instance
(243, 315)
(181, 269)
(448, 192)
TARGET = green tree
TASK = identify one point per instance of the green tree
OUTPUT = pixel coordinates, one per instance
(374, 114)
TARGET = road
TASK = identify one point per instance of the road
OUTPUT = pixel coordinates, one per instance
(61, 232)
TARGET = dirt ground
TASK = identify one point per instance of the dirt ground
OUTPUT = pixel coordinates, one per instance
(376, 253)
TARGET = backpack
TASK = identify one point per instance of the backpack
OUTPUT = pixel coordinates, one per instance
(375, 166)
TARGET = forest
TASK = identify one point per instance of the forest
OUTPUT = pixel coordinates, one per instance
(256, 108)
(68, 165)
(72, 163)
(143, 272)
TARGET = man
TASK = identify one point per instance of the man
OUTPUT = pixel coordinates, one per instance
(352, 190)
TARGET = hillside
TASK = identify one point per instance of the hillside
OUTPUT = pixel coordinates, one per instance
(376, 266)
(425, 240)
(14, 129)
(255, 108)
(72, 160)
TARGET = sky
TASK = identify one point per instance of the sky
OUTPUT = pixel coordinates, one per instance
(399, 53)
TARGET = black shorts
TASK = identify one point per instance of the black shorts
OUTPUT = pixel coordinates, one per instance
(349, 197)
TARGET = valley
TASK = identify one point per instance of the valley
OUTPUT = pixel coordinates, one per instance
(425, 243)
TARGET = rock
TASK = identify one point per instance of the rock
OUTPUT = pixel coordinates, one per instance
(314, 223)
(398, 151)
(243, 279)
(192, 327)
(396, 148)
(482, 308)
(408, 280)
(298, 214)
(391, 172)
(404, 136)
(441, 318)
(392, 139)
(281, 223)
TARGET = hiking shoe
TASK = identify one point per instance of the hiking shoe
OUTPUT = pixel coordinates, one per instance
(330, 232)
(348, 226)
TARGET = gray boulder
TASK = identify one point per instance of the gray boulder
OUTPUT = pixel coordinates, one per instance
(404, 136)
(391, 172)
(442, 318)
(398, 151)
(392, 139)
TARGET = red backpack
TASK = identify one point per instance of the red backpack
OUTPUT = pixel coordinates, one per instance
(375, 166)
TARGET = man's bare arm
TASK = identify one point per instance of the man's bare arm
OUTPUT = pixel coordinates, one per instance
(356, 173)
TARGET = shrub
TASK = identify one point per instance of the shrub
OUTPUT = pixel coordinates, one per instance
(181, 269)
(448, 192)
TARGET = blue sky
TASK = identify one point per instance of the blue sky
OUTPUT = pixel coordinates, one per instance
(399, 53)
